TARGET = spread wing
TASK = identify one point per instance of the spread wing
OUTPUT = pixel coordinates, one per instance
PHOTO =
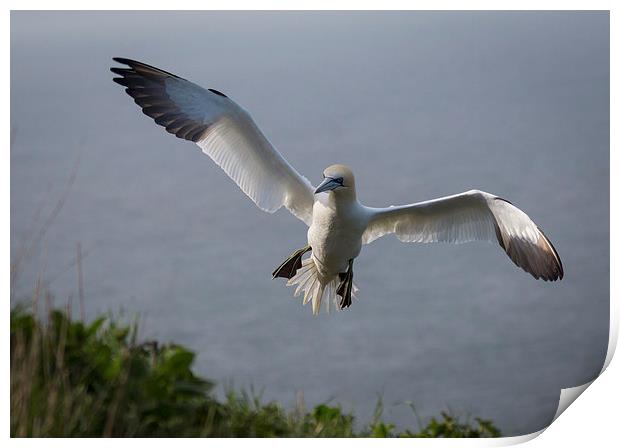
(471, 216)
(224, 131)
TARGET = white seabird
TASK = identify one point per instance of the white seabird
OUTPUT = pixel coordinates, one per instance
(338, 223)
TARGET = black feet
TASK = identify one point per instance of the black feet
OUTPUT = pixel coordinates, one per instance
(346, 286)
(292, 263)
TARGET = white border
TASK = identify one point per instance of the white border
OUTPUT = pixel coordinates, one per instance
(590, 421)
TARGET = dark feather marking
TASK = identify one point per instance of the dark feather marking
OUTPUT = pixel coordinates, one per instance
(217, 92)
(197, 134)
(122, 71)
(182, 132)
(122, 81)
(502, 199)
(176, 125)
(173, 118)
(167, 118)
(555, 252)
(136, 64)
(147, 86)
(518, 249)
(150, 92)
(158, 110)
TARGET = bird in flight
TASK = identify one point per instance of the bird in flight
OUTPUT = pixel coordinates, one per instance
(338, 224)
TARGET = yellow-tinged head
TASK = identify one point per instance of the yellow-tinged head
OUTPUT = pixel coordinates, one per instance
(337, 178)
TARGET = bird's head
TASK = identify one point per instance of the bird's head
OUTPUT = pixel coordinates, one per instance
(339, 179)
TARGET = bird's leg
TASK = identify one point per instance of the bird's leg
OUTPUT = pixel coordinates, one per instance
(288, 269)
(346, 286)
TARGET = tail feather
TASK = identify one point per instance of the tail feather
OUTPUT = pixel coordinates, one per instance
(303, 278)
(309, 291)
(314, 287)
(317, 296)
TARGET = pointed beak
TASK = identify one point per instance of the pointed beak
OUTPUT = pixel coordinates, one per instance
(327, 184)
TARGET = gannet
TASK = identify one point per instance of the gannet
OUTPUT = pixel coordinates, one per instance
(338, 224)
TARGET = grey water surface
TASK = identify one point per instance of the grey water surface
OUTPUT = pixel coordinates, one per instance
(421, 105)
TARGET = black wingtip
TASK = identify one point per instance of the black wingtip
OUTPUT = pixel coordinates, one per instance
(141, 67)
(560, 266)
(217, 92)
(125, 61)
(121, 71)
(147, 85)
(120, 81)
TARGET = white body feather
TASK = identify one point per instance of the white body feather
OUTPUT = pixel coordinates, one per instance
(335, 236)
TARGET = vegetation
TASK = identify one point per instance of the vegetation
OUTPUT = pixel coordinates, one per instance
(70, 379)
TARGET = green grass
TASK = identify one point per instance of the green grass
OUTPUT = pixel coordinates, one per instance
(70, 379)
